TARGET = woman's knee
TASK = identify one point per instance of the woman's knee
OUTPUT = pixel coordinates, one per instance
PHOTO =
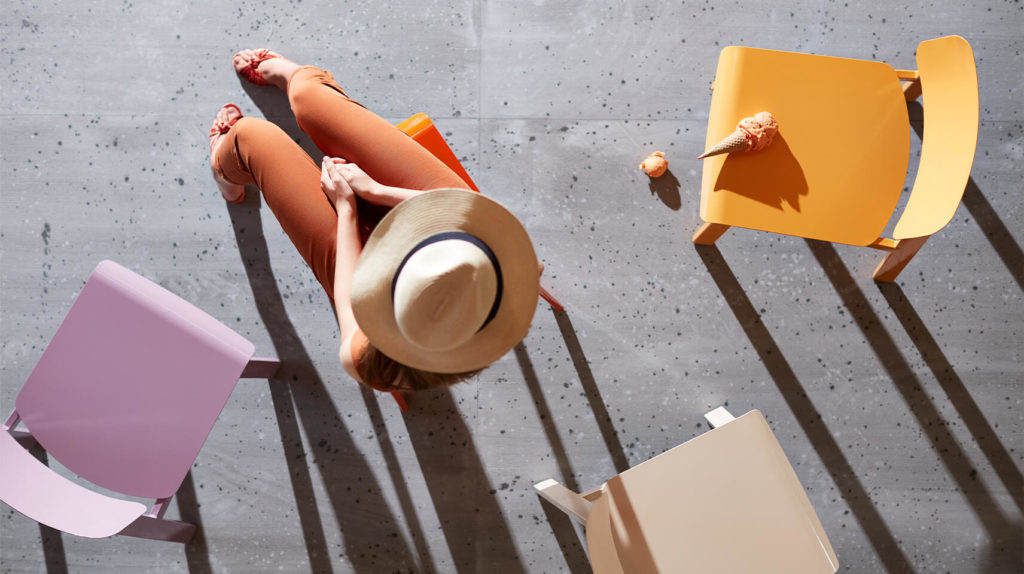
(254, 137)
(313, 97)
(264, 148)
(305, 102)
(254, 131)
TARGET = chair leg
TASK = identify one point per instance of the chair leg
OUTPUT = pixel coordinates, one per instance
(912, 90)
(160, 529)
(555, 303)
(912, 87)
(709, 233)
(261, 368)
(898, 258)
(402, 405)
(24, 438)
(159, 507)
(564, 499)
(718, 417)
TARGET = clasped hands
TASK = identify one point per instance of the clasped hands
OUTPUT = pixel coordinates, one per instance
(341, 180)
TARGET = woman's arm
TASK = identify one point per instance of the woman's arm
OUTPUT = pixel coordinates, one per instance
(348, 251)
(371, 190)
(390, 196)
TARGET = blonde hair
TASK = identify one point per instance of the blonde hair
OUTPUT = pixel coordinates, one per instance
(382, 372)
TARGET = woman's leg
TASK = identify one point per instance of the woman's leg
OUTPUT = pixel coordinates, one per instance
(341, 127)
(258, 152)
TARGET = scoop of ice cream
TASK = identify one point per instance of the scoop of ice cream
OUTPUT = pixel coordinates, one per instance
(758, 130)
(655, 164)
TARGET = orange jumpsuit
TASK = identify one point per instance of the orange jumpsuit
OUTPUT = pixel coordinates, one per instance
(258, 152)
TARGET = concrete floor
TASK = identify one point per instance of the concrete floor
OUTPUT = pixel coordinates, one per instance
(899, 405)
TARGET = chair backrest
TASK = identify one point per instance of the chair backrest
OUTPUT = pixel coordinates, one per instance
(35, 490)
(421, 129)
(949, 88)
(130, 386)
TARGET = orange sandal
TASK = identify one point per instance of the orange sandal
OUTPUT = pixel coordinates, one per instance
(231, 192)
(251, 71)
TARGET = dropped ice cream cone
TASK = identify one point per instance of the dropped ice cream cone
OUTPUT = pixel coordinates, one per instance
(736, 141)
(752, 134)
(655, 164)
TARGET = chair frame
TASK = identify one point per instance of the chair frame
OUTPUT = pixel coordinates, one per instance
(580, 507)
(899, 251)
(577, 505)
(67, 496)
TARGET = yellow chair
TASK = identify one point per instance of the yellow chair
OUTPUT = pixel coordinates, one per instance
(837, 166)
(725, 501)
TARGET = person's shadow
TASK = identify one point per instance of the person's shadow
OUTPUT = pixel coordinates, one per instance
(370, 532)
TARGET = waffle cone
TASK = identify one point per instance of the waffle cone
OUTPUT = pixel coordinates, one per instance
(736, 141)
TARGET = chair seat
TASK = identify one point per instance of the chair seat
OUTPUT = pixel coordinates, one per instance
(809, 183)
(725, 501)
(35, 490)
(131, 384)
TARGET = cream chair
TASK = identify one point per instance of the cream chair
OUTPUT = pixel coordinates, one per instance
(726, 501)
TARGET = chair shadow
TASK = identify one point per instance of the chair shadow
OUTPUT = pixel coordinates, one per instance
(51, 538)
(197, 554)
(958, 394)
(982, 211)
(546, 418)
(567, 538)
(601, 416)
(426, 561)
(747, 173)
(369, 530)
(562, 526)
(666, 188)
(806, 414)
(53, 550)
(995, 231)
(460, 490)
(1007, 538)
(640, 556)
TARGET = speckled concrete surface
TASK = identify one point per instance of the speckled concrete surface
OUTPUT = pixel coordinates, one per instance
(899, 406)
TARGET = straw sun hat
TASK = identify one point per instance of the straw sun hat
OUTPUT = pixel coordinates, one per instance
(447, 283)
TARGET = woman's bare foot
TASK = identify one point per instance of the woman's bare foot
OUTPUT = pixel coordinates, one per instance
(271, 67)
(226, 117)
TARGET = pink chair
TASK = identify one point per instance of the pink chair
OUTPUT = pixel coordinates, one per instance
(124, 396)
